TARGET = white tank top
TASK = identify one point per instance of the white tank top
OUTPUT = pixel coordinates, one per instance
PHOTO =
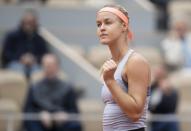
(114, 119)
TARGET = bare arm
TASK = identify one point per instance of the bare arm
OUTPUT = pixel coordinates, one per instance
(138, 73)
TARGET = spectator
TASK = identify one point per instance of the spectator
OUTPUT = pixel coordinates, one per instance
(164, 101)
(42, 1)
(23, 48)
(177, 46)
(51, 97)
(162, 22)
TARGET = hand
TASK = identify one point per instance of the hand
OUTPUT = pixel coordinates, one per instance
(28, 59)
(108, 70)
(60, 117)
(46, 119)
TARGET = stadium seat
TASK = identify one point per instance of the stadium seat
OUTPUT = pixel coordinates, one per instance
(13, 87)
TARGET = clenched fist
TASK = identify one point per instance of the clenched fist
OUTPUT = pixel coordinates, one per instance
(108, 70)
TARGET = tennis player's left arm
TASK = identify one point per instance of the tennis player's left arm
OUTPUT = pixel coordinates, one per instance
(137, 73)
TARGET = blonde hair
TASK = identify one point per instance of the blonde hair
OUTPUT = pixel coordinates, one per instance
(120, 8)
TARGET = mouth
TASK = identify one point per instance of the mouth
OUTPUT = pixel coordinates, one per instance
(103, 35)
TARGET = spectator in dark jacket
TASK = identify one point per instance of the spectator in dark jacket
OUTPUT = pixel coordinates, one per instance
(51, 97)
(162, 20)
(23, 48)
(164, 101)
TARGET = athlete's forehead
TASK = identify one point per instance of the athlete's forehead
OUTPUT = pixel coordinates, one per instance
(102, 16)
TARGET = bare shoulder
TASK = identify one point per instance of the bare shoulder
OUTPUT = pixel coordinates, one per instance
(137, 63)
(137, 59)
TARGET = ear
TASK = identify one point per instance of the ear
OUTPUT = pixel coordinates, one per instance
(125, 27)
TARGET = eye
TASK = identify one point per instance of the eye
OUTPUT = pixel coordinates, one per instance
(108, 22)
(98, 24)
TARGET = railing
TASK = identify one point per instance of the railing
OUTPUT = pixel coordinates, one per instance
(11, 118)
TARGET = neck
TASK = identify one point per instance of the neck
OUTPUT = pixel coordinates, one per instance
(118, 49)
(51, 77)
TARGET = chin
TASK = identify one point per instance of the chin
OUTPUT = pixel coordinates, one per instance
(104, 42)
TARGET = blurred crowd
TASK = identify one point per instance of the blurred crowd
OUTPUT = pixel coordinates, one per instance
(25, 51)
(24, 1)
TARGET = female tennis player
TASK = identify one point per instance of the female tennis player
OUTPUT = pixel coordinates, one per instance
(126, 75)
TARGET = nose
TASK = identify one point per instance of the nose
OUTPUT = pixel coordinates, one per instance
(102, 27)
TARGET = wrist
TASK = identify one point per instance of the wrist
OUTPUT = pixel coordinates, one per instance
(110, 82)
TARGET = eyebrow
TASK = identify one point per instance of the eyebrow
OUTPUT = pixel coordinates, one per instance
(105, 19)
